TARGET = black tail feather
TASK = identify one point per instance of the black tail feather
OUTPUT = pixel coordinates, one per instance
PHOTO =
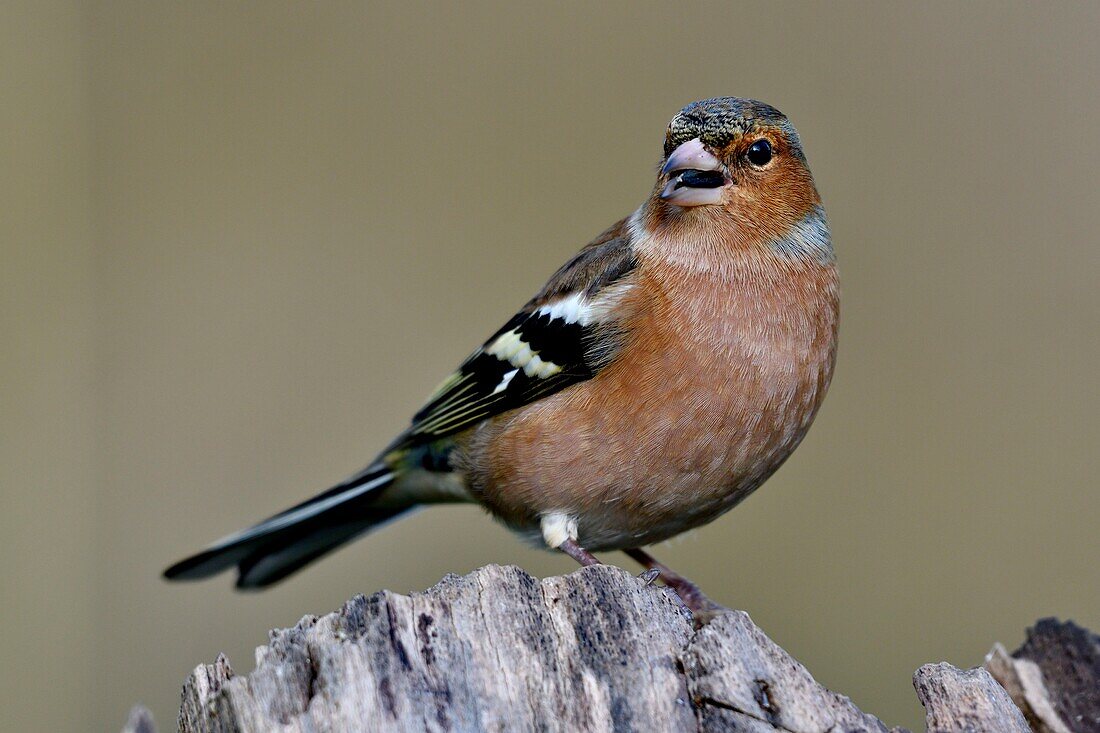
(280, 545)
(273, 562)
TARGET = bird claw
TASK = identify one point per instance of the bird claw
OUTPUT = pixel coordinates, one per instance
(649, 576)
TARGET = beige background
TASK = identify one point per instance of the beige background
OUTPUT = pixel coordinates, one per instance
(242, 241)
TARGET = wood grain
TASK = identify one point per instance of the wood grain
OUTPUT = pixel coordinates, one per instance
(595, 650)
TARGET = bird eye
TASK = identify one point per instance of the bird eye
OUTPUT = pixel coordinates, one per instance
(759, 153)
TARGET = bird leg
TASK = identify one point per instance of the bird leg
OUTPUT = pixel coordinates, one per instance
(578, 553)
(560, 533)
(702, 608)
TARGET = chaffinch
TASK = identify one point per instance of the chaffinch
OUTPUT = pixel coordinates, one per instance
(659, 377)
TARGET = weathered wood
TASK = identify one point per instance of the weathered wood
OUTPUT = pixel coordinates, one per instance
(1023, 681)
(965, 700)
(595, 650)
(1069, 658)
(740, 679)
(140, 721)
(494, 650)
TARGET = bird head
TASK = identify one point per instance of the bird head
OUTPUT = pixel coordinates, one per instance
(734, 161)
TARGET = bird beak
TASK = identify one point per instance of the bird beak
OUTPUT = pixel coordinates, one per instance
(696, 176)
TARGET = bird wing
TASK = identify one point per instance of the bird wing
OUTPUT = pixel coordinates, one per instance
(562, 336)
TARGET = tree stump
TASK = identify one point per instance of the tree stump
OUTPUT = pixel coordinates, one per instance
(595, 650)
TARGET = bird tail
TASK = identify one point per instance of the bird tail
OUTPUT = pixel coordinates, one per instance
(276, 547)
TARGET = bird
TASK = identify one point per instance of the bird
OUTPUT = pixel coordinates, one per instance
(657, 379)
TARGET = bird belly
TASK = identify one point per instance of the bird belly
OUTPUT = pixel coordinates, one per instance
(662, 469)
(685, 424)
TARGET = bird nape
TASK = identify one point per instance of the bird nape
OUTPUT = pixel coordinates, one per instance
(658, 378)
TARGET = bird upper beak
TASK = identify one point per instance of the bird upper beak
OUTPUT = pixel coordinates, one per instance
(696, 176)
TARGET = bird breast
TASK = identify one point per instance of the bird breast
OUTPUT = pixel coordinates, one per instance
(716, 383)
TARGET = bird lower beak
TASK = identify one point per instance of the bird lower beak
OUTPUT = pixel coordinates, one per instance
(696, 176)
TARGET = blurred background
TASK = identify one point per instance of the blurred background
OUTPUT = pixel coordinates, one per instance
(242, 241)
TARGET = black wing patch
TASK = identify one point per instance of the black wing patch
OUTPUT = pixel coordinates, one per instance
(534, 355)
(557, 340)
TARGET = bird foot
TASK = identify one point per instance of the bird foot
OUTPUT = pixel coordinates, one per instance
(703, 610)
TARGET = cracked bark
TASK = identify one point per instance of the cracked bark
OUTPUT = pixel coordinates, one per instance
(1054, 678)
(596, 650)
